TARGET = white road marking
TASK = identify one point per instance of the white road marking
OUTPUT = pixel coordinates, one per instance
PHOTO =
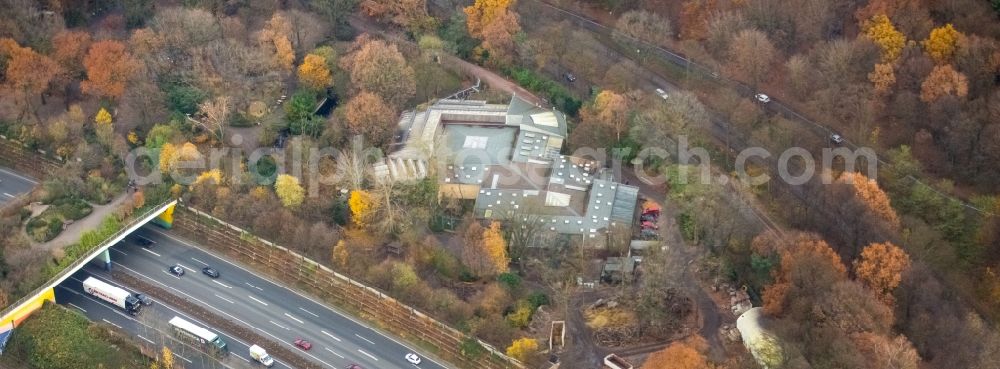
(294, 318)
(182, 266)
(199, 261)
(8, 195)
(225, 299)
(309, 312)
(367, 354)
(109, 322)
(275, 284)
(369, 341)
(244, 359)
(74, 305)
(258, 288)
(145, 339)
(19, 176)
(331, 336)
(279, 325)
(182, 358)
(255, 299)
(123, 252)
(151, 252)
(334, 352)
(221, 284)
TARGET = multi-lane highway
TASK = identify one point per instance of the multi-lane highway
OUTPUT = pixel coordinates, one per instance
(13, 184)
(270, 309)
(150, 325)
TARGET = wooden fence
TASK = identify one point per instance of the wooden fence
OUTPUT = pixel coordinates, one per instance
(370, 304)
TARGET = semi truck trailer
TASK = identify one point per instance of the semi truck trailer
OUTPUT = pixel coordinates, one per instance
(114, 295)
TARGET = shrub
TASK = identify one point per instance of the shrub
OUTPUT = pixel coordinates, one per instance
(239, 120)
(185, 99)
(538, 299)
(521, 316)
(509, 280)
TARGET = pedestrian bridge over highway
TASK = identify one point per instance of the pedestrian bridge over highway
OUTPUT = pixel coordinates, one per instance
(14, 314)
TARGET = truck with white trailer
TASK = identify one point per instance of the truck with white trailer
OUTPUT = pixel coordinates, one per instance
(193, 333)
(260, 355)
(115, 295)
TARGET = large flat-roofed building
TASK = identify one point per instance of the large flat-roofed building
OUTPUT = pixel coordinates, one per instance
(507, 158)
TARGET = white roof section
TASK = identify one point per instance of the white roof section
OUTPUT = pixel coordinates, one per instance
(547, 119)
(193, 329)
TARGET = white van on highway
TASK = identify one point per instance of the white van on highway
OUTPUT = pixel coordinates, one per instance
(260, 355)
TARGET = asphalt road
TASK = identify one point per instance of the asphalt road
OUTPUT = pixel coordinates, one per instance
(272, 310)
(13, 184)
(150, 325)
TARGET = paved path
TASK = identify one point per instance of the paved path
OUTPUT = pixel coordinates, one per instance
(72, 232)
(494, 80)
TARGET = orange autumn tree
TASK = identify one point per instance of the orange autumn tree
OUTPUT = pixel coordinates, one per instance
(882, 77)
(27, 73)
(943, 80)
(69, 47)
(686, 354)
(274, 37)
(868, 191)
(109, 68)
(881, 268)
(369, 116)
(498, 38)
(483, 12)
(807, 264)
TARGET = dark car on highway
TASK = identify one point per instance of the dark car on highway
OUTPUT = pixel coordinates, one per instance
(211, 272)
(143, 241)
(176, 270)
(144, 299)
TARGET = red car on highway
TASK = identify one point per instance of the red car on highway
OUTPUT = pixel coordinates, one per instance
(303, 344)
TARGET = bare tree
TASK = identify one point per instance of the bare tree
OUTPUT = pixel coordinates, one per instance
(216, 113)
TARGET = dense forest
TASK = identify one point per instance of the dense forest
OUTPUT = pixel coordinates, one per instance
(894, 271)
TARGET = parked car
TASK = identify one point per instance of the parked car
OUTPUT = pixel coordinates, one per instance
(648, 234)
(649, 225)
(413, 358)
(647, 218)
(662, 94)
(145, 300)
(303, 344)
(211, 272)
(176, 270)
(837, 139)
(570, 77)
(762, 98)
(143, 241)
(354, 366)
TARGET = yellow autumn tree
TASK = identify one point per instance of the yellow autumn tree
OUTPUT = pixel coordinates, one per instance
(495, 248)
(167, 358)
(209, 175)
(881, 268)
(314, 73)
(880, 30)
(362, 207)
(685, 354)
(102, 127)
(168, 157)
(289, 190)
(102, 117)
(482, 13)
(522, 348)
(942, 43)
